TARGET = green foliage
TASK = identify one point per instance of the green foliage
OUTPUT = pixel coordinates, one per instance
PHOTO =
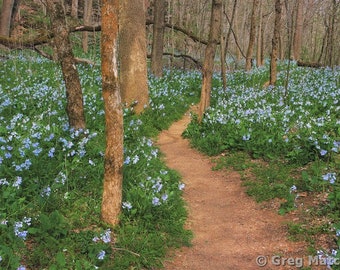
(293, 134)
(51, 176)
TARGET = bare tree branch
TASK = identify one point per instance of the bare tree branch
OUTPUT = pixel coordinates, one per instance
(195, 61)
(182, 30)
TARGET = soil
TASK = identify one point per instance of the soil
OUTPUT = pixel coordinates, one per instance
(230, 229)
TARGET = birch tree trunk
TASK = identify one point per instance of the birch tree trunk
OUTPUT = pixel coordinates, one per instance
(63, 51)
(113, 160)
(158, 38)
(275, 42)
(208, 65)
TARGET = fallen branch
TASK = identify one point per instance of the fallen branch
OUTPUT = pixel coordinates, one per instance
(76, 59)
(309, 64)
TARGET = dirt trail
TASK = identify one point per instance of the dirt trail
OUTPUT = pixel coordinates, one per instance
(230, 229)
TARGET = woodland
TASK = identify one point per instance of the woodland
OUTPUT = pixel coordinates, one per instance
(86, 86)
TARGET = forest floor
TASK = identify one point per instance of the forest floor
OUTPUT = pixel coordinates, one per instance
(230, 229)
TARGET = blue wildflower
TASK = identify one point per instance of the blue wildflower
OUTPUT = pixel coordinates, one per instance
(331, 177)
(126, 205)
(323, 152)
(155, 201)
(101, 255)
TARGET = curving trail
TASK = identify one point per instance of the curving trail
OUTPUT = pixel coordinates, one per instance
(230, 229)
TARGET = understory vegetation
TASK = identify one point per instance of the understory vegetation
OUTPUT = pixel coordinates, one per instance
(283, 140)
(51, 176)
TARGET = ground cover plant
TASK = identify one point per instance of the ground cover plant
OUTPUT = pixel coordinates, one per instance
(51, 176)
(285, 140)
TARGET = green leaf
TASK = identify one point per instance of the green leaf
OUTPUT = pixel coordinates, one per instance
(61, 259)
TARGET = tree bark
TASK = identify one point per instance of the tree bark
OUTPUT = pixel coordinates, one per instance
(259, 49)
(297, 42)
(158, 38)
(87, 21)
(64, 55)
(113, 160)
(74, 8)
(132, 53)
(275, 42)
(208, 65)
(252, 35)
(6, 15)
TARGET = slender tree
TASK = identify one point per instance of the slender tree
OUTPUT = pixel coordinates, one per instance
(132, 53)
(87, 21)
(259, 50)
(64, 55)
(297, 41)
(275, 42)
(74, 8)
(208, 65)
(252, 35)
(158, 38)
(6, 15)
(113, 160)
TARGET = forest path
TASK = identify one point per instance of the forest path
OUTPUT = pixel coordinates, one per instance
(230, 229)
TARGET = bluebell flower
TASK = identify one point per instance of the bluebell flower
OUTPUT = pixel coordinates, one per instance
(155, 201)
(17, 182)
(331, 177)
(135, 159)
(106, 236)
(293, 188)
(127, 160)
(4, 182)
(101, 255)
(181, 186)
(246, 137)
(51, 152)
(157, 186)
(46, 192)
(165, 197)
(323, 152)
(37, 151)
(96, 239)
(126, 205)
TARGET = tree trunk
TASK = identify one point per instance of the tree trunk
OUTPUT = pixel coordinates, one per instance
(275, 42)
(87, 21)
(113, 160)
(297, 42)
(132, 53)
(252, 35)
(225, 46)
(74, 8)
(208, 65)
(158, 38)
(64, 55)
(259, 49)
(6, 15)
